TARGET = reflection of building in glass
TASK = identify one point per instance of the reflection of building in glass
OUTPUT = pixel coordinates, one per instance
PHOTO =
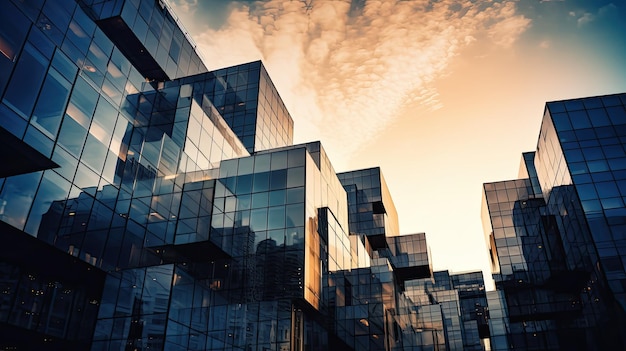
(557, 235)
(149, 204)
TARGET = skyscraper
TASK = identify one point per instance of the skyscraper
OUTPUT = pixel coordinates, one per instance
(556, 235)
(149, 204)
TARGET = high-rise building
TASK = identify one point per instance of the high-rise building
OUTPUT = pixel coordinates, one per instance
(149, 204)
(557, 235)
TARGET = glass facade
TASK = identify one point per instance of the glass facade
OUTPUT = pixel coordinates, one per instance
(372, 211)
(556, 234)
(149, 204)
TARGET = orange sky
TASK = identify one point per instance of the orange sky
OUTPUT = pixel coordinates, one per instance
(444, 96)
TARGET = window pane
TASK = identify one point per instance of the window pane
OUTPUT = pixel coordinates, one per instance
(26, 81)
(51, 104)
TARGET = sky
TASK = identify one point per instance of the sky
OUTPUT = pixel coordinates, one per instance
(443, 95)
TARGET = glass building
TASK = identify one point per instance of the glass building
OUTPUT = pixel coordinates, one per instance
(147, 203)
(557, 236)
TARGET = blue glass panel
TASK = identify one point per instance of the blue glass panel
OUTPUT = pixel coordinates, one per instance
(243, 202)
(295, 177)
(278, 179)
(244, 184)
(94, 153)
(617, 114)
(573, 105)
(86, 179)
(261, 182)
(598, 117)
(617, 163)
(59, 13)
(279, 160)
(64, 65)
(561, 121)
(574, 155)
(277, 198)
(13, 29)
(42, 41)
(12, 122)
(587, 192)
(579, 119)
(295, 195)
(295, 215)
(26, 81)
(50, 106)
(258, 219)
(593, 153)
(585, 134)
(72, 136)
(83, 102)
(51, 192)
(17, 196)
(66, 162)
(276, 217)
(259, 200)
(38, 140)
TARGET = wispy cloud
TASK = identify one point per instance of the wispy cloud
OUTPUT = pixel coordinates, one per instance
(584, 19)
(347, 70)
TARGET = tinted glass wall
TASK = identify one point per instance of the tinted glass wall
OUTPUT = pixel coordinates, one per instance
(556, 235)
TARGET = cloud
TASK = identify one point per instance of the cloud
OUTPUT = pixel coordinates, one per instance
(584, 19)
(347, 70)
(545, 44)
(184, 6)
(608, 10)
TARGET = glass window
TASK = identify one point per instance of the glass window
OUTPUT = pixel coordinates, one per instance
(17, 196)
(598, 117)
(86, 178)
(26, 81)
(259, 200)
(38, 140)
(261, 182)
(94, 153)
(244, 184)
(276, 217)
(258, 219)
(295, 177)
(52, 191)
(83, 102)
(278, 179)
(72, 135)
(13, 29)
(295, 195)
(579, 119)
(64, 65)
(279, 160)
(617, 115)
(103, 121)
(561, 121)
(598, 166)
(277, 198)
(12, 122)
(295, 215)
(66, 162)
(50, 106)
